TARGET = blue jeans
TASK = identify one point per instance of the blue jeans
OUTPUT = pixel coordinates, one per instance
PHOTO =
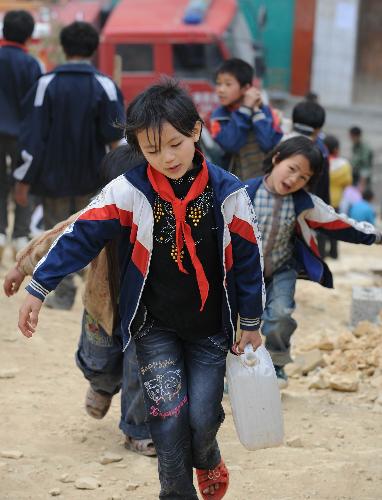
(183, 389)
(278, 324)
(108, 369)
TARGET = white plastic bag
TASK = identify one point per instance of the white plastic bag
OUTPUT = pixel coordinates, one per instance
(255, 398)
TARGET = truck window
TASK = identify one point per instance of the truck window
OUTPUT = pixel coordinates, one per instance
(196, 60)
(136, 57)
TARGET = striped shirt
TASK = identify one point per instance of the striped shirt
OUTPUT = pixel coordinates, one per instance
(277, 219)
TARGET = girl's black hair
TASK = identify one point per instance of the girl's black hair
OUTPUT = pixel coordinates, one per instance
(299, 145)
(163, 102)
(118, 161)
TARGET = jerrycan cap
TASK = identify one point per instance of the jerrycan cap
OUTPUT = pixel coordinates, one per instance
(249, 356)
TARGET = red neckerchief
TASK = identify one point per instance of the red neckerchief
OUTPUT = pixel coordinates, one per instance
(6, 43)
(183, 234)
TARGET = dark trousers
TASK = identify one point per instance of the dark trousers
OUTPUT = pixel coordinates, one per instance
(183, 389)
(8, 162)
(56, 210)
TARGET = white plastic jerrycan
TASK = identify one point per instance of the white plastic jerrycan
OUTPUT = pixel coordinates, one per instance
(255, 398)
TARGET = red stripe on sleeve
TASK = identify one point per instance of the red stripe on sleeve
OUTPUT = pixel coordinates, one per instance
(228, 257)
(108, 212)
(243, 229)
(335, 224)
(215, 128)
(140, 257)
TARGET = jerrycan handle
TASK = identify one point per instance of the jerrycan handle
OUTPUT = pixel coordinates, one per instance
(250, 358)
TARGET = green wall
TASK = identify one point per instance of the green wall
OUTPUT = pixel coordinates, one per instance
(277, 37)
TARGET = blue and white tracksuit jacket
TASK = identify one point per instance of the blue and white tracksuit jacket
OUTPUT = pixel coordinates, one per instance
(125, 208)
(72, 114)
(230, 128)
(313, 214)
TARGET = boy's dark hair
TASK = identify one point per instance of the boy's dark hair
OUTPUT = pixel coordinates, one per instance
(79, 39)
(368, 194)
(118, 161)
(356, 131)
(163, 102)
(18, 26)
(294, 146)
(332, 143)
(241, 70)
(309, 113)
(311, 97)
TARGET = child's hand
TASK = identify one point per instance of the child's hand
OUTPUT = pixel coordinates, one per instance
(12, 281)
(252, 98)
(28, 315)
(248, 337)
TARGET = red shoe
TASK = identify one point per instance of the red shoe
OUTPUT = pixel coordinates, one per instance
(207, 478)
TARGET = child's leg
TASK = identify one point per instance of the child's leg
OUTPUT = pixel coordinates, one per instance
(278, 324)
(99, 357)
(161, 363)
(205, 362)
(133, 412)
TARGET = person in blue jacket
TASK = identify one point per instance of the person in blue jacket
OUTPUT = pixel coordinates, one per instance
(72, 117)
(189, 266)
(243, 126)
(289, 217)
(18, 72)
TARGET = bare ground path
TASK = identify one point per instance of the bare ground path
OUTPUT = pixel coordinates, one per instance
(338, 435)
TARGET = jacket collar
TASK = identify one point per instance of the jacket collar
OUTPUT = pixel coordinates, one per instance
(76, 67)
(227, 182)
(15, 45)
(301, 199)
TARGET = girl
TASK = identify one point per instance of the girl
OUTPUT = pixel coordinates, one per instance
(189, 265)
(288, 217)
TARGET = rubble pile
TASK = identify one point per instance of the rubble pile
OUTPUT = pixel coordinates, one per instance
(344, 362)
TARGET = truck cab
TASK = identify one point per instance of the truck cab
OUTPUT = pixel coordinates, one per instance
(143, 40)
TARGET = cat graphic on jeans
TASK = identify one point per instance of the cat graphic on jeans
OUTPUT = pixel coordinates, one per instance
(164, 387)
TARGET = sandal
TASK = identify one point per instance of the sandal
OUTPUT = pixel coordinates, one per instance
(210, 477)
(97, 404)
(142, 446)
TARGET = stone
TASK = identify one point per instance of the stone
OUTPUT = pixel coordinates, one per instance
(365, 328)
(14, 454)
(319, 381)
(66, 478)
(376, 382)
(344, 383)
(294, 442)
(132, 486)
(55, 492)
(310, 360)
(108, 458)
(294, 369)
(366, 304)
(87, 483)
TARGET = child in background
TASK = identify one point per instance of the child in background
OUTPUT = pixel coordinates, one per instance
(288, 217)
(352, 194)
(363, 210)
(340, 177)
(243, 126)
(18, 73)
(362, 156)
(70, 122)
(99, 355)
(189, 264)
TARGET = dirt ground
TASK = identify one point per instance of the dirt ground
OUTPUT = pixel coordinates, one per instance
(338, 435)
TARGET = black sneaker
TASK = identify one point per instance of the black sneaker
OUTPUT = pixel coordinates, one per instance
(282, 377)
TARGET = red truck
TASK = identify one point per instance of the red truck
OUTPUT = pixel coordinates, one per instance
(144, 39)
